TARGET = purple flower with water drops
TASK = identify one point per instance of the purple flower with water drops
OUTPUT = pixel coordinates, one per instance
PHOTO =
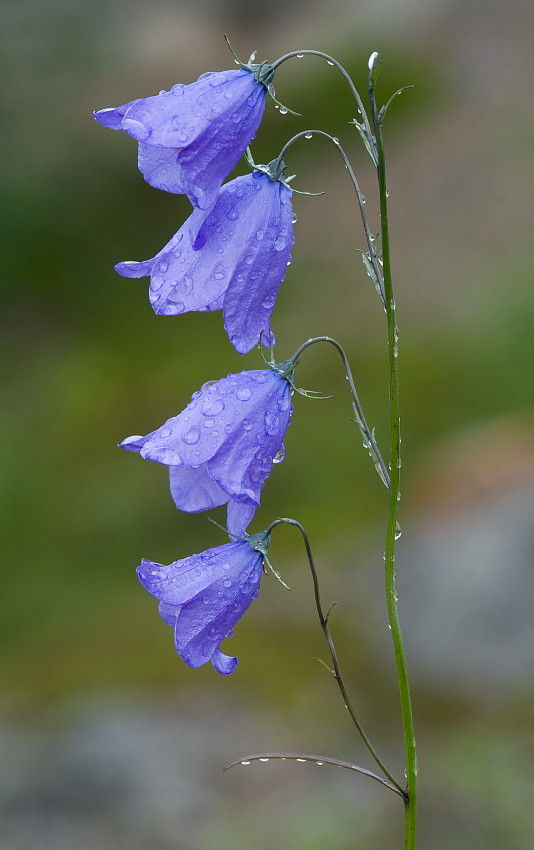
(191, 137)
(223, 445)
(202, 597)
(234, 258)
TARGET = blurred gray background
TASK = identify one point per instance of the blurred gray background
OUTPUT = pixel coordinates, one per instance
(107, 739)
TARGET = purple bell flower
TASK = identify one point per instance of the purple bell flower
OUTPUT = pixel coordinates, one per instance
(204, 596)
(236, 257)
(191, 137)
(223, 445)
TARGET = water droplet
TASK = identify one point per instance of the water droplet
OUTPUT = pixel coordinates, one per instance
(166, 433)
(249, 260)
(243, 393)
(279, 244)
(398, 496)
(156, 283)
(395, 350)
(271, 423)
(319, 762)
(212, 407)
(283, 110)
(191, 437)
(328, 62)
(308, 135)
(218, 275)
(335, 140)
(268, 302)
(246, 424)
(300, 55)
(294, 218)
(232, 215)
(260, 234)
(363, 199)
(245, 762)
(280, 455)
(209, 423)
(398, 531)
(264, 759)
(301, 760)
(227, 582)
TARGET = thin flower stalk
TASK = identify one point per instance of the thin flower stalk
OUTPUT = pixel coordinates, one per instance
(394, 490)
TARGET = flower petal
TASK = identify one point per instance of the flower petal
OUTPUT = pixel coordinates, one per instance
(238, 518)
(113, 116)
(191, 137)
(229, 434)
(203, 597)
(193, 489)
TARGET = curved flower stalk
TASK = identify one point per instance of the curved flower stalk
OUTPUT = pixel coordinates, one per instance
(191, 137)
(202, 597)
(223, 445)
(233, 259)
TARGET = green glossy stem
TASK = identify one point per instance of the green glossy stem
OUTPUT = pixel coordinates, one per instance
(394, 494)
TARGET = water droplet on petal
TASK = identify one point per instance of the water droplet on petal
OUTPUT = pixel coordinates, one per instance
(271, 423)
(294, 218)
(191, 437)
(280, 455)
(279, 244)
(243, 393)
(268, 302)
(212, 407)
(227, 582)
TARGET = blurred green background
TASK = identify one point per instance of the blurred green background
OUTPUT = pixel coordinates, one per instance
(109, 741)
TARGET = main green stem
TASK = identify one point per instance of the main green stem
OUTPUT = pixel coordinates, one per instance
(394, 494)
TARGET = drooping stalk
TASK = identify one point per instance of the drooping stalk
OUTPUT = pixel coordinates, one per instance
(394, 490)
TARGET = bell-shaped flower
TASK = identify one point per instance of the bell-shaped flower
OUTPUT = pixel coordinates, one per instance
(223, 445)
(236, 257)
(202, 597)
(191, 137)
